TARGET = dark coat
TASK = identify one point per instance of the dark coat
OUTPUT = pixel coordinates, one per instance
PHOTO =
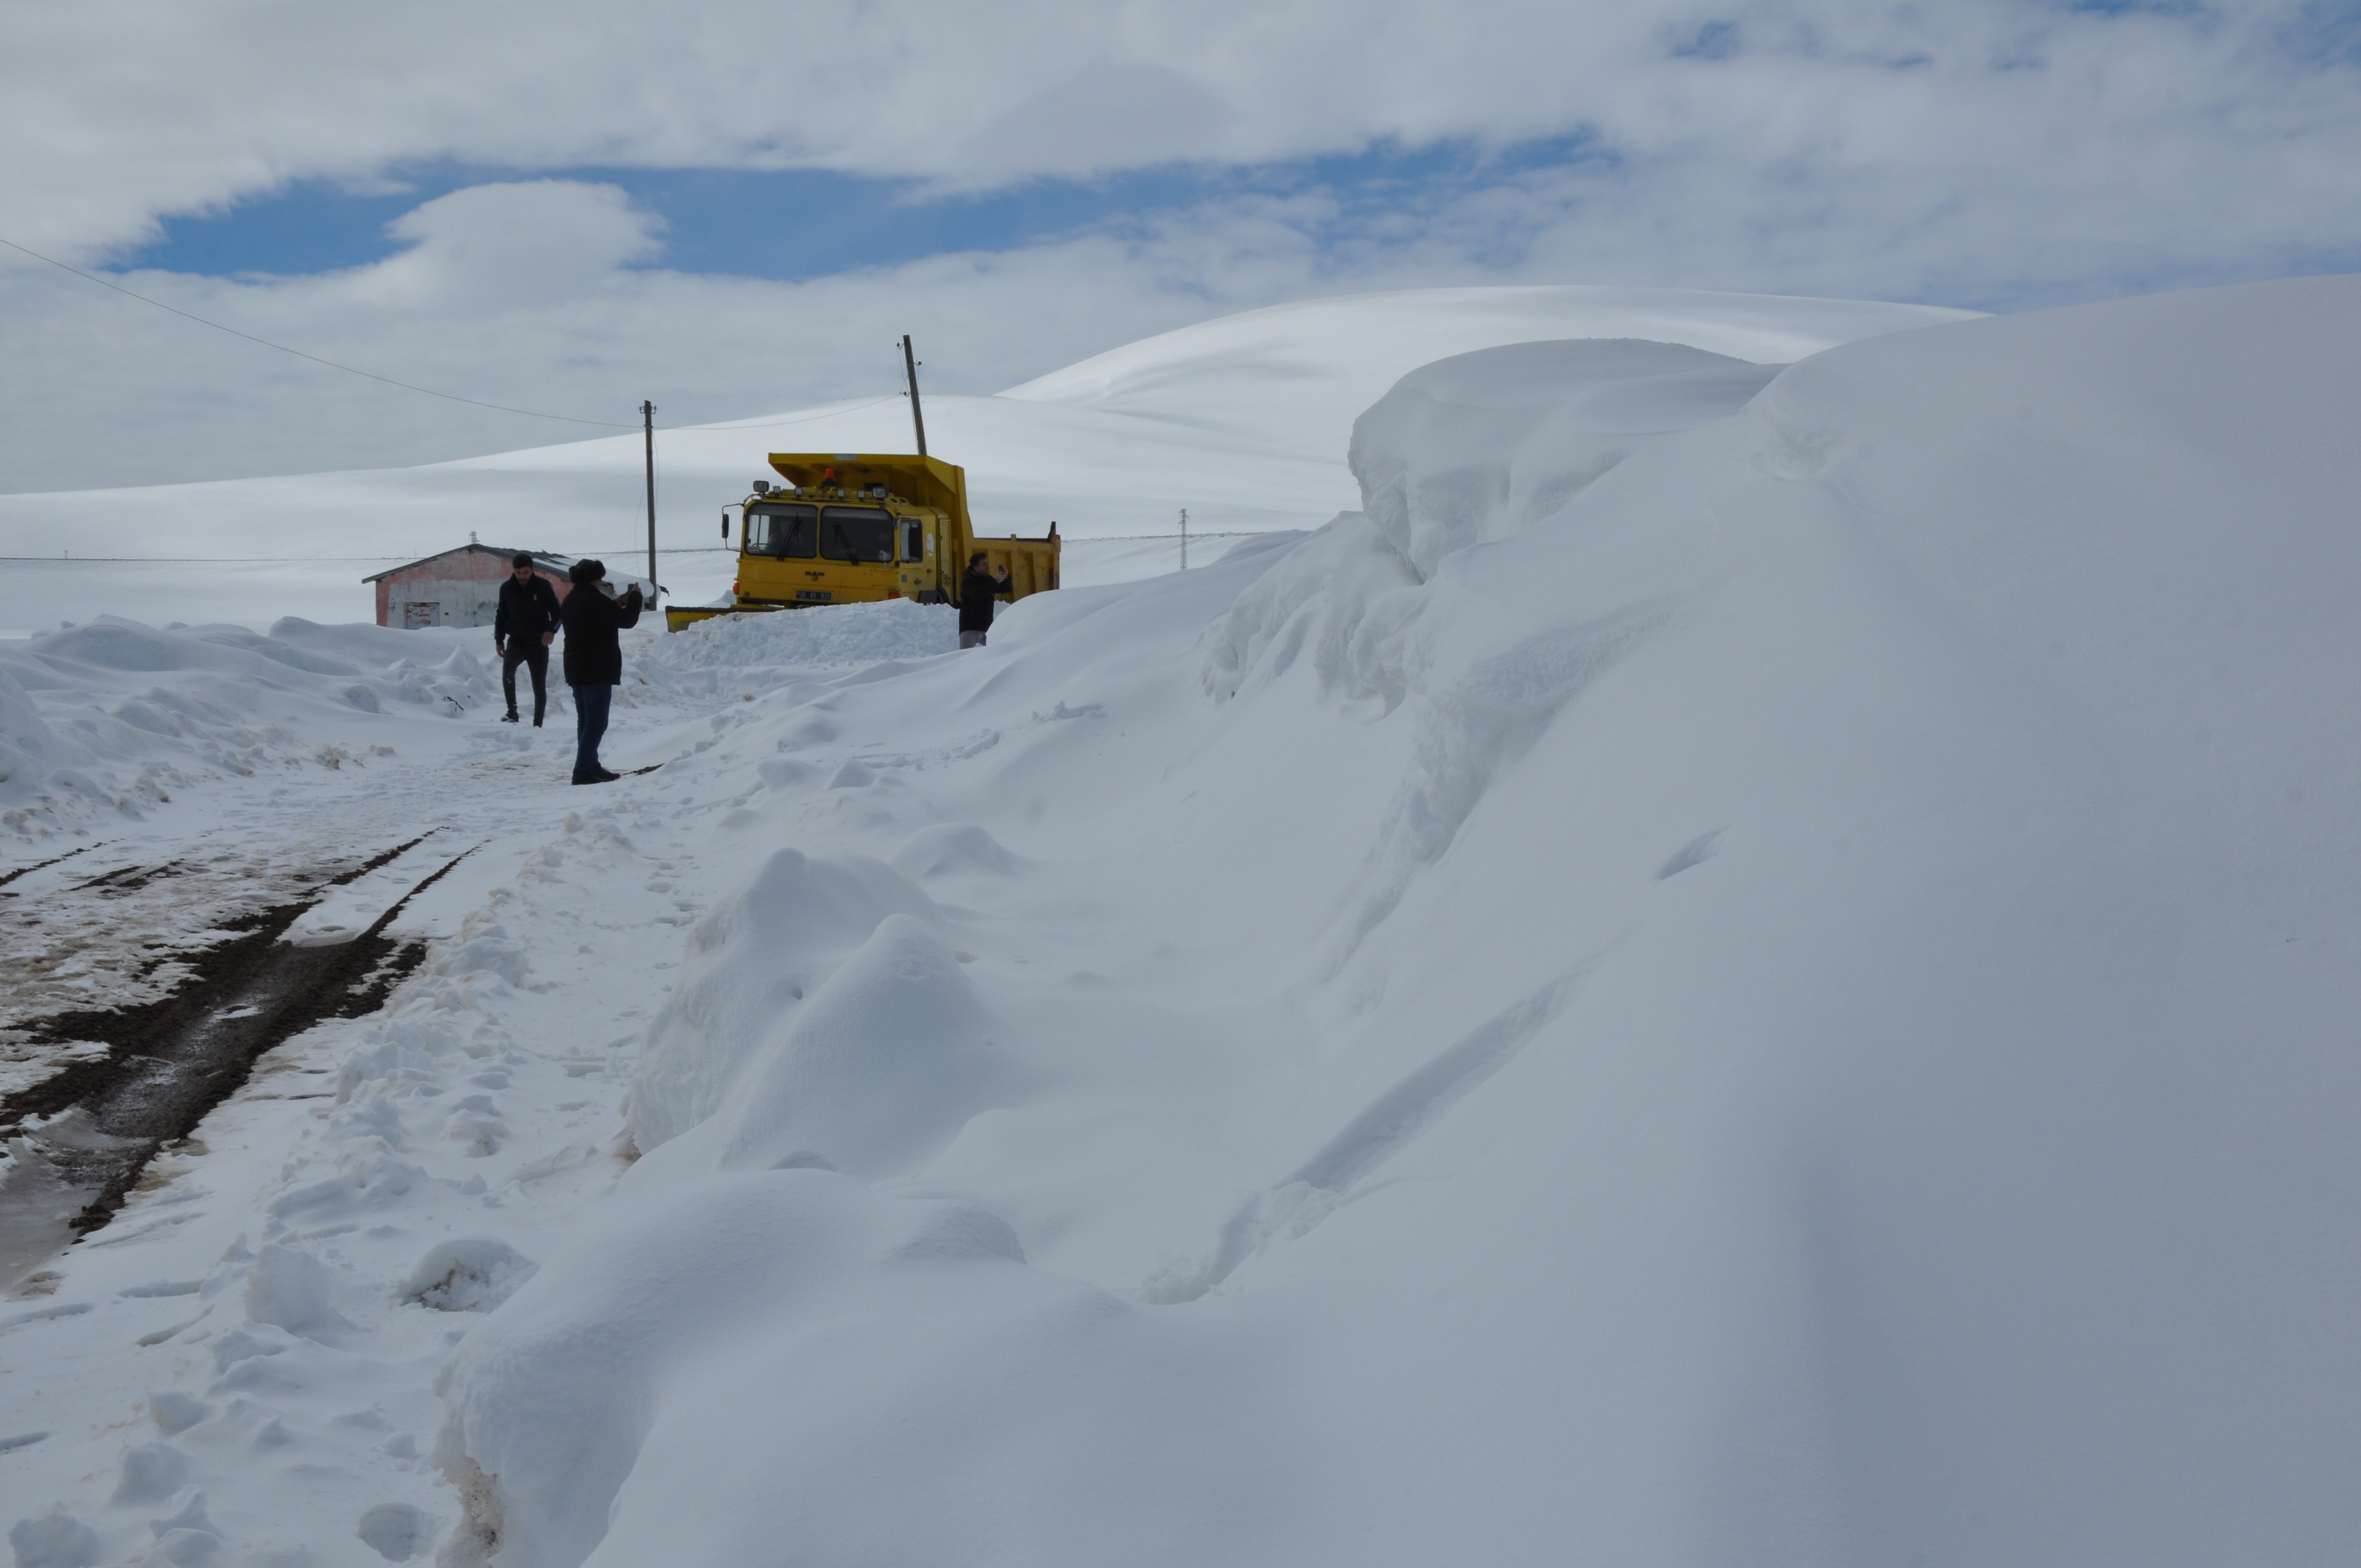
(594, 655)
(976, 589)
(527, 609)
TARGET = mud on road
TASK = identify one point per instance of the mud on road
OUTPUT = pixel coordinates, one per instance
(138, 1077)
(79, 934)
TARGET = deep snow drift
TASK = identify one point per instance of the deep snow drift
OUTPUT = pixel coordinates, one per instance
(80, 741)
(1718, 976)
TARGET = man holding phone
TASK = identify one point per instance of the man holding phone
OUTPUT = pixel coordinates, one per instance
(594, 660)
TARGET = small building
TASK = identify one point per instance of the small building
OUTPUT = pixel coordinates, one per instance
(461, 587)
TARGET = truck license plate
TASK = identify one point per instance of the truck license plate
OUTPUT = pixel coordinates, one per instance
(819, 595)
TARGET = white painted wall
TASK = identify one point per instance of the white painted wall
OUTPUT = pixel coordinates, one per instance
(442, 601)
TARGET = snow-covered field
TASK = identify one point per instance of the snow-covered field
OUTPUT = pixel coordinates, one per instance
(1741, 966)
(1242, 420)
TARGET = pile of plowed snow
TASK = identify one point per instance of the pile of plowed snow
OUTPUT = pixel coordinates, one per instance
(1724, 977)
(99, 721)
(1744, 965)
(826, 636)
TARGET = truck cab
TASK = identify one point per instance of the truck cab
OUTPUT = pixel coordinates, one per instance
(849, 528)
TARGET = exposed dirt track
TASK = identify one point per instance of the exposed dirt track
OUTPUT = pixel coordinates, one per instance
(134, 932)
(170, 1061)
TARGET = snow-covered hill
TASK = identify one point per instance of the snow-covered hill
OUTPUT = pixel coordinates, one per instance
(1242, 420)
(1736, 969)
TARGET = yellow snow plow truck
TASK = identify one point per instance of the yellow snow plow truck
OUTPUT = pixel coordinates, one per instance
(848, 528)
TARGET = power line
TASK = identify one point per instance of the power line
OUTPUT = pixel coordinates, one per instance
(372, 374)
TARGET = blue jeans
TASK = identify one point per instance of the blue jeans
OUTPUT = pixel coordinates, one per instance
(589, 725)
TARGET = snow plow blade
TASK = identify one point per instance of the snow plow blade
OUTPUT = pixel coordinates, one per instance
(682, 619)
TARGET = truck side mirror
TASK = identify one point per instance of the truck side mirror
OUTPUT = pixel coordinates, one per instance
(725, 525)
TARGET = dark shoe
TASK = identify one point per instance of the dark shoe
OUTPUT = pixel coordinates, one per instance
(603, 776)
(597, 778)
(509, 717)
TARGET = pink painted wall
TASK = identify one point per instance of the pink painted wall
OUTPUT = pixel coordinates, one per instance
(473, 569)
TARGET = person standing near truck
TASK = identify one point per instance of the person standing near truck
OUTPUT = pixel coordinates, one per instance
(978, 588)
(522, 628)
(594, 660)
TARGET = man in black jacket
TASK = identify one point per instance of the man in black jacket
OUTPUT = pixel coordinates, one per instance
(594, 660)
(522, 630)
(978, 586)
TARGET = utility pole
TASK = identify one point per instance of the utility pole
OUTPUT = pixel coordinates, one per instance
(648, 428)
(1184, 539)
(910, 364)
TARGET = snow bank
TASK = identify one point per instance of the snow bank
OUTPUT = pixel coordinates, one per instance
(1469, 447)
(885, 1374)
(827, 636)
(1341, 593)
(105, 721)
(1790, 1005)
(1782, 998)
(895, 1055)
(822, 1015)
(751, 964)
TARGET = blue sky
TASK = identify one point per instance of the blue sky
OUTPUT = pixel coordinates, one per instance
(794, 226)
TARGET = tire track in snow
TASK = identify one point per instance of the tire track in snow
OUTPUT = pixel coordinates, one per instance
(167, 1063)
(132, 934)
(7, 877)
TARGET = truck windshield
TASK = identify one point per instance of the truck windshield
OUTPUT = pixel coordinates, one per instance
(782, 530)
(856, 533)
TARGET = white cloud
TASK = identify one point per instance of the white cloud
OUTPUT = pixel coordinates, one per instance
(1996, 153)
(114, 111)
(106, 391)
(1105, 115)
(496, 247)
